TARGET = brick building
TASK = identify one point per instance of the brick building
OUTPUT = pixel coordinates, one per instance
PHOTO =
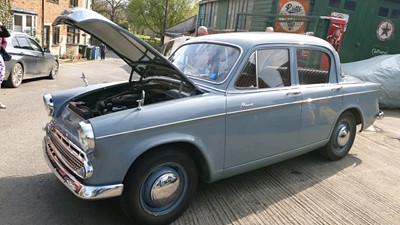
(35, 17)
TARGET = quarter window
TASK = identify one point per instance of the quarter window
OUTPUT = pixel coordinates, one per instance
(313, 66)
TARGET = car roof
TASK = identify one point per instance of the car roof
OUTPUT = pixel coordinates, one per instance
(249, 39)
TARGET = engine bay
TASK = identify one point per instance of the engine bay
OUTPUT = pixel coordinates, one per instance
(122, 97)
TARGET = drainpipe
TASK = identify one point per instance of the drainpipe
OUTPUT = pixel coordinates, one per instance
(42, 23)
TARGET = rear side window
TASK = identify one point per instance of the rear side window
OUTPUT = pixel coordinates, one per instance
(313, 66)
(21, 42)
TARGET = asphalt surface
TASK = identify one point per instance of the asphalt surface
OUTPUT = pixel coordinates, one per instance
(363, 188)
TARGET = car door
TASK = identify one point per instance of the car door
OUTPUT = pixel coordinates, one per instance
(263, 112)
(28, 56)
(321, 94)
(43, 63)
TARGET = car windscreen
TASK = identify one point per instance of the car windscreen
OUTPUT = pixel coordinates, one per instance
(205, 61)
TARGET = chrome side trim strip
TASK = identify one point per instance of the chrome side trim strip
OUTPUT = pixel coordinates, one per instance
(265, 107)
(76, 187)
(163, 125)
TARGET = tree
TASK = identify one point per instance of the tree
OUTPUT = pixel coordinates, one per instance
(112, 9)
(5, 15)
(150, 13)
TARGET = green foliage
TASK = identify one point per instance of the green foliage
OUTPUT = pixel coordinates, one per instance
(112, 9)
(150, 14)
(5, 13)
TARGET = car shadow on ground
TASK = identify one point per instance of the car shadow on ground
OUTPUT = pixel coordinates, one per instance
(42, 199)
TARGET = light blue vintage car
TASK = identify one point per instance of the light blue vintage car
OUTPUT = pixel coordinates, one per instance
(223, 105)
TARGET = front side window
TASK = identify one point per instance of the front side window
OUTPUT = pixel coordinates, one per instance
(266, 69)
(207, 62)
(313, 66)
(34, 45)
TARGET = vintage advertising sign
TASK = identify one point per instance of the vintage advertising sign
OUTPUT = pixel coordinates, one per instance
(385, 30)
(343, 16)
(291, 8)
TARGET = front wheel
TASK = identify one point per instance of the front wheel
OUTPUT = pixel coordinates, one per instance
(54, 70)
(159, 188)
(342, 137)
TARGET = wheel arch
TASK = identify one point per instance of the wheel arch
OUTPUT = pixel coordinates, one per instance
(194, 151)
(357, 115)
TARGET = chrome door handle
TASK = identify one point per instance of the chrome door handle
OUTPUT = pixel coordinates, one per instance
(294, 92)
(337, 88)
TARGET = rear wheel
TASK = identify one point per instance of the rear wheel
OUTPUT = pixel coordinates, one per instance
(342, 137)
(16, 76)
(159, 188)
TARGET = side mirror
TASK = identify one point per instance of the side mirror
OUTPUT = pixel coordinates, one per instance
(47, 50)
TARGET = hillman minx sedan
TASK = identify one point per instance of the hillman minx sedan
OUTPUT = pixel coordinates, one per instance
(223, 105)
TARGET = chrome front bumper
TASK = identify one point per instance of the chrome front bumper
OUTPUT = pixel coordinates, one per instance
(76, 187)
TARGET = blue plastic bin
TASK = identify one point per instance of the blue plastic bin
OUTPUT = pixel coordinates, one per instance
(96, 52)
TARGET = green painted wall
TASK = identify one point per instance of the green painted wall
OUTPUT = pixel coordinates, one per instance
(360, 40)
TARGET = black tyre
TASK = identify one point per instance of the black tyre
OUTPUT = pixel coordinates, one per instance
(16, 76)
(342, 138)
(54, 70)
(159, 187)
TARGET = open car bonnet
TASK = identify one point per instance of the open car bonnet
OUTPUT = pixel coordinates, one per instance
(144, 59)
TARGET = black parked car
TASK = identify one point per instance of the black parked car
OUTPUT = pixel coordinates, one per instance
(29, 60)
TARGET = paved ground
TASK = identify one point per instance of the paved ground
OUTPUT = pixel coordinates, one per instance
(363, 188)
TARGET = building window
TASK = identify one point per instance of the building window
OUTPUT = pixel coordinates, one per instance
(46, 37)
(350, 5)
(53, 1)
(384, 12)
(73, 35)
(56, 35)
(73, 3)
(334, 3)
(395, 14)
(25, 23)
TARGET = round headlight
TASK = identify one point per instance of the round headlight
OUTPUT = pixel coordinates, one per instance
(48, 104)
(86, 135)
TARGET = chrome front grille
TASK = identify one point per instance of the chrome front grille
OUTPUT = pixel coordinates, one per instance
(70, 155)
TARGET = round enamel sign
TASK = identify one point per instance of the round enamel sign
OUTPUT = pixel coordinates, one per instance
(292, 8)
(385, 30)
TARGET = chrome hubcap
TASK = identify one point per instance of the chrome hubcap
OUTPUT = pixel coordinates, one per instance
(343, 136)
(17, 78)
(165, 190)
